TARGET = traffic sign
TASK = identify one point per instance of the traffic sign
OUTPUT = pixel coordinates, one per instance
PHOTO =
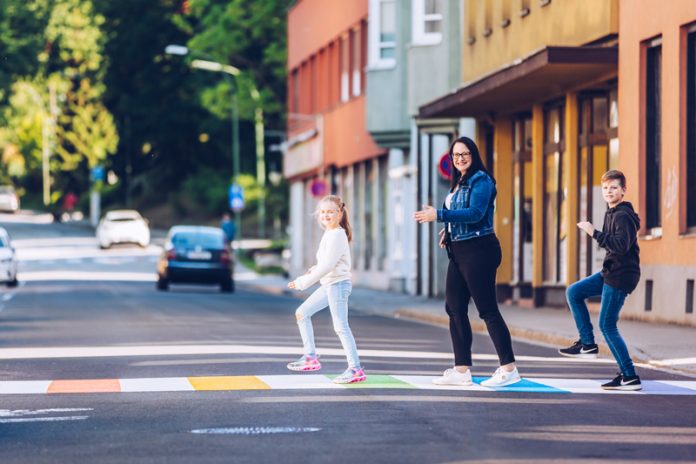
(236, 197)
(97, 173)
(444, 167)
(318, 187)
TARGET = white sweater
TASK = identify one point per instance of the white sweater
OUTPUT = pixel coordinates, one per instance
(333, 261)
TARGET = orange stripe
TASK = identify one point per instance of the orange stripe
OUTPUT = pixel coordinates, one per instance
(85, 386)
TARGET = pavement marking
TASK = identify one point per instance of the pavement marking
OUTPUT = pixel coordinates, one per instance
(42, 419)
(254, 430)
(85, 386)
(8, 416)
(177, 350)
(84, 276)
(323, 382)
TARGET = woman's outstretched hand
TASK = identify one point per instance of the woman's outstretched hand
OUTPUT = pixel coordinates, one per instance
(427, 214)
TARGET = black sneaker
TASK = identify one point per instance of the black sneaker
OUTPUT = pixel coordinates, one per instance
(578, 350)
(624, 383)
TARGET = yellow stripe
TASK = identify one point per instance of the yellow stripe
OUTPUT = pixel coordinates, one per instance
(241, 382)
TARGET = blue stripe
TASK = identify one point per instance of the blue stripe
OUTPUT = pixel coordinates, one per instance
(525, 385)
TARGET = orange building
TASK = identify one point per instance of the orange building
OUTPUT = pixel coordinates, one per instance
(329, 149)
(657, 104)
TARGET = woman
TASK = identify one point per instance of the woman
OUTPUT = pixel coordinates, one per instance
(475, 255)
(332, 271)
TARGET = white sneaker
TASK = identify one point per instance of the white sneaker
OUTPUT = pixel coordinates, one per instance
(454, 377)
(502, 378)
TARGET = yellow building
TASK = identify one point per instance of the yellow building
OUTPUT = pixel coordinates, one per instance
(541, 75)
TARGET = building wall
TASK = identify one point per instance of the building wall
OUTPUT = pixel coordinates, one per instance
(328, 142)
(668, 259)
(489, 44)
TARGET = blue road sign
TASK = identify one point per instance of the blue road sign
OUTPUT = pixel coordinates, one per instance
(236, 197)
(97, 173)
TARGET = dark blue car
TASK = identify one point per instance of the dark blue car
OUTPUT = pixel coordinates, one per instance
(196, 254)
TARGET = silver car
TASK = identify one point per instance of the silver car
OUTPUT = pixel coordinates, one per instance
(8, 260)
(9, 202)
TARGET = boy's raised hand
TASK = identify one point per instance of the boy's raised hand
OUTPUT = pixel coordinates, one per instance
(587, 227)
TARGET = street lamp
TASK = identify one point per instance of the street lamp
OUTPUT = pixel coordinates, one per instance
(228, 71)
(47, 122)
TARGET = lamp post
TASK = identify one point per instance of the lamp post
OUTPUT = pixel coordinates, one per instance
(229, 72)
(47, 122)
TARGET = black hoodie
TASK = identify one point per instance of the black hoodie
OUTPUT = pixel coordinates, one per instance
(619, 236)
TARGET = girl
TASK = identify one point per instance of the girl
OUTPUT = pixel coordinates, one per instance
(333, 272)
(475, 255)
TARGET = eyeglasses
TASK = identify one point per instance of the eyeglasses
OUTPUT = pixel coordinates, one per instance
(461, 155)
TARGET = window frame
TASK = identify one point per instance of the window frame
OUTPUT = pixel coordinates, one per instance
(419, 17)
(375, 45)
(652, 136)
(689, 177)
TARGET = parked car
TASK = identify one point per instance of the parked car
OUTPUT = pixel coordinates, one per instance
(196, 254)
(9, 201)
(8, 260)
(123, 226)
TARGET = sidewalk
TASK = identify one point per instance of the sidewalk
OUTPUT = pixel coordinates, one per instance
(668, 347)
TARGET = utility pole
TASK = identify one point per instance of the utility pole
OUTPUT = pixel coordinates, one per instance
(260, 161)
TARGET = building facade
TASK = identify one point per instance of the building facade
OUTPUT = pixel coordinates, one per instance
(329, 149)
(540, 77)
(543, 79)
(657, 85)
(413, 57)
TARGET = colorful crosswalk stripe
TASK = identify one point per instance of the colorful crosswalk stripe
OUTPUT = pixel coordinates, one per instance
(324, 382)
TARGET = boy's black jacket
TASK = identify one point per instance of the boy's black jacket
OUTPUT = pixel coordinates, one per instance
(619, 236)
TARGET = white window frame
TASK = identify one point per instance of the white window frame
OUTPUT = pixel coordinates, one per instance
(420, 37)
(344, 67)
(373, 41)
(356, 59)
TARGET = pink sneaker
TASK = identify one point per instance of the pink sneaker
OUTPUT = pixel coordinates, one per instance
(351, 375)
(305, 363)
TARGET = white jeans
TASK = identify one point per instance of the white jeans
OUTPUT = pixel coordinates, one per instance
(335, 296)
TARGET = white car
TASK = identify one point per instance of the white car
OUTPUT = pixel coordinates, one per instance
(8, 260)
(123, 226)
(9, 201)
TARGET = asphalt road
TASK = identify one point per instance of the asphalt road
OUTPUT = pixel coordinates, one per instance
(82, 313)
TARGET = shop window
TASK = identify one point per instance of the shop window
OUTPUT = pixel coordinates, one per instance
(522, 206)
(555, 234)
(653, 132)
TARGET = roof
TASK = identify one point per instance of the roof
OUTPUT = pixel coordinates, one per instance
(541, 76)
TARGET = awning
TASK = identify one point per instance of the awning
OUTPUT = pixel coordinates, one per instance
(542, 76)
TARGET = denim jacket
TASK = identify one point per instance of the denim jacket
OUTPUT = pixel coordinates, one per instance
(471, 209)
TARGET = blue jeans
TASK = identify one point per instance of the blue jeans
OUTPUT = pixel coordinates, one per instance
(335, 296)
(612, 301)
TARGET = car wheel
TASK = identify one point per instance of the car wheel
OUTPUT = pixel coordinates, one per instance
(13, 283)
(227, 286)
(162, 284)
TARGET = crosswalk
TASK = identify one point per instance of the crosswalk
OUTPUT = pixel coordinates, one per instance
(321, 382)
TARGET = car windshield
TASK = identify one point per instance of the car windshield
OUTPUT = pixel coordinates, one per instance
(190, 239)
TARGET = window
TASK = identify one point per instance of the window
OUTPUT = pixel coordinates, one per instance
(691, 131)
(345, 68)
(653, 100)
(522, 194)
(554, 198)
(382, 35)
(357, 61)
(427, 21)
(295, 91)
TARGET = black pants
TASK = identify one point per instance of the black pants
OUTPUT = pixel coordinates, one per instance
(471, 273)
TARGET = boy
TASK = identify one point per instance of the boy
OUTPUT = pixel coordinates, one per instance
(619, 277)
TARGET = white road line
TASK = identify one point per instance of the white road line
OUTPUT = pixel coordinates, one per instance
(36, 412)
(254, 430)
(175, 350)
(42, 419)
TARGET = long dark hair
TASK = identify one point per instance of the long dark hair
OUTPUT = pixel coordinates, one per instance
(476, 163)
